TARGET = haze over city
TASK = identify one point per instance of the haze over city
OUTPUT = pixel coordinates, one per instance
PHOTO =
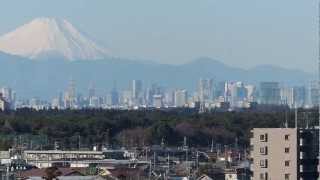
(239, 33)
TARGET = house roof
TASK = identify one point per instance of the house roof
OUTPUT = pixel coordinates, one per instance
(62, 172)
(204, 177)
(126, 172)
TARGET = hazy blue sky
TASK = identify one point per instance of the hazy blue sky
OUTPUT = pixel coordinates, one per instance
(242, 33)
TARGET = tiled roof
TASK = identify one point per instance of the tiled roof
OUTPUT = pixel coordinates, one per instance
(62, 172)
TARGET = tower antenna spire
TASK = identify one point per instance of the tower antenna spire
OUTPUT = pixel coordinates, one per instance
(319, 81)
(295, 116)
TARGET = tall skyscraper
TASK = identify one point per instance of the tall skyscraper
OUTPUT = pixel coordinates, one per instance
(251, 93)
(136, 88)
(205, 90)
(137, 92)
(299, 95)
(287, 96)
(150, 92)
(169, 97)
(92, 91)
(157, 101)
(7, 94)
(181, 98)
(238, 94)
(126, 98)
(70, 98)
(313, 94)
(4, 105)
(270, 93)
(114, 97)
(219, 89)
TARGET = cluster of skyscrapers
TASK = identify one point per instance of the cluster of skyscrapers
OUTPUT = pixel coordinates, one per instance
(208, 94)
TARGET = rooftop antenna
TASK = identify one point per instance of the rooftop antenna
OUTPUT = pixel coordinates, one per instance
(211, 150)
(295, 116)
(286, 118)
(319, 79)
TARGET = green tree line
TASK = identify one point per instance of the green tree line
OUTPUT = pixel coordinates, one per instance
(74, 128)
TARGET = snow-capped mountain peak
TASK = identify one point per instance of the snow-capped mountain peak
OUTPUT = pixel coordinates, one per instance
(49, 38)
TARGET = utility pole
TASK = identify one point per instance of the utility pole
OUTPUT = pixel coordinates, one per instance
(319, 83)
(154, 160)
(197, 162)
(168, 163)
(79, 142)
(211, 150)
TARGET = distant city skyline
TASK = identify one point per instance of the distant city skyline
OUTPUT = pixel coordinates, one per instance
(239, 33)
(207, 94)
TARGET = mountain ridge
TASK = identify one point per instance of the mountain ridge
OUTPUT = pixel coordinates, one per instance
(45, 78)
(41, 56)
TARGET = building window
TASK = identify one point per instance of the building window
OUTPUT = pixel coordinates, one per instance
(287, 176)
(261, 176)
(286, 137)
(264, 163)
(263, 137)
(287, 150)
(251, 135)
(264, 150)
(287, 163)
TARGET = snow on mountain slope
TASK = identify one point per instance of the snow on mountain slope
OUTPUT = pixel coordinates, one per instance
(48, 38)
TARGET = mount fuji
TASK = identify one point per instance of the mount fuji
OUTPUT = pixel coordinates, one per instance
(47, 38)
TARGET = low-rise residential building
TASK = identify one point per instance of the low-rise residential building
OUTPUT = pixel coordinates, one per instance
(237, 174)
(43, 159)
